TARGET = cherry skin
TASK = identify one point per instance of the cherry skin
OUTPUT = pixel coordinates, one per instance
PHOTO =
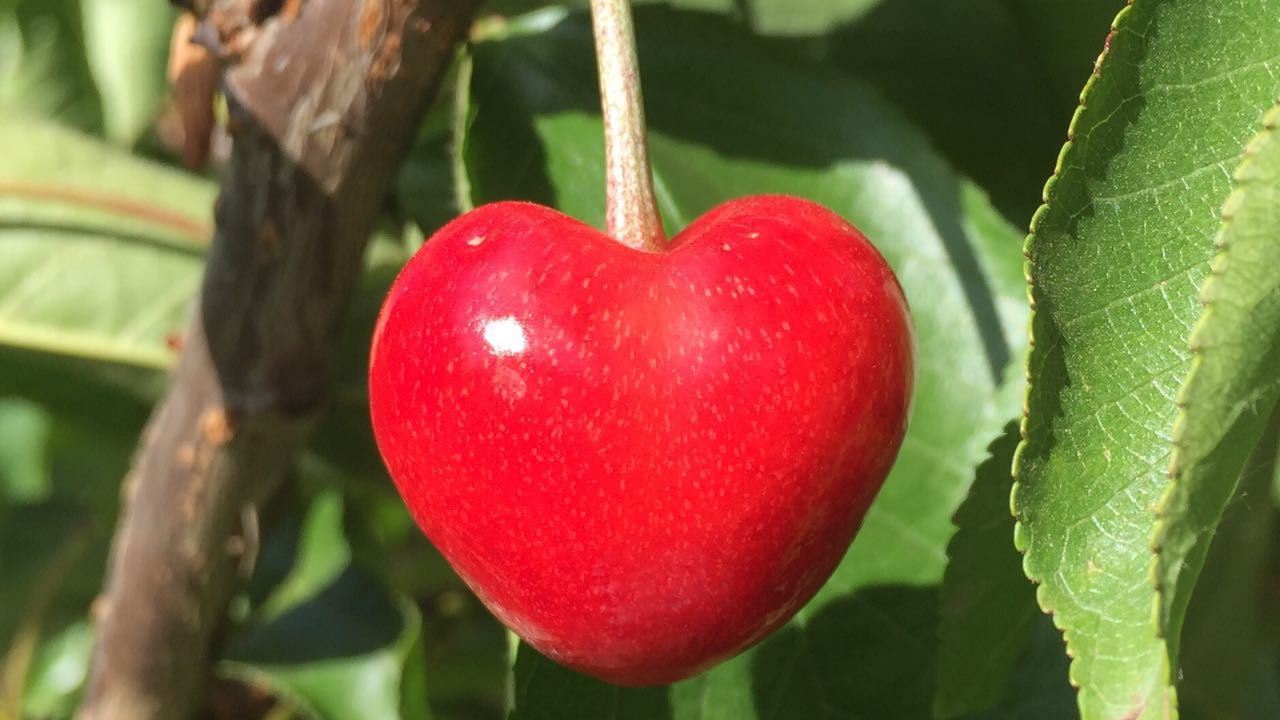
(643, 463)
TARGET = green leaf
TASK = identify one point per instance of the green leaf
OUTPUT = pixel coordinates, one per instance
(97, 65)
(424, 189)
(796, 17)
(102, 250)
(127, 45)
(1234, 378)
(345, 437)
(1116, 260)
(44, 72)
(988, 608)
(746, 123)
(58, 673)
(319, 557)
(112, 400)
(1225, 636)
(53, 549)
(348, 653)
(74, 516)
(25, 430)
(42, 548)
(1038, 688)
(331, 640)
(547, 691)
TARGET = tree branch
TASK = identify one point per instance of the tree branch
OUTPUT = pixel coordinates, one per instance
(324, 106)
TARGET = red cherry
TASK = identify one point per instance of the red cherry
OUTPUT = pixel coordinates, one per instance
(643, 463)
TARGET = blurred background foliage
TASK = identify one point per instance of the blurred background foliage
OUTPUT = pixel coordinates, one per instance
(932, 124)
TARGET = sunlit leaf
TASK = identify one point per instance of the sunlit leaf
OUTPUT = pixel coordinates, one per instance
(102, 251)
(1116, 260)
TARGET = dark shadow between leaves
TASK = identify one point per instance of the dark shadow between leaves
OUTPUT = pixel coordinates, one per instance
(562, 694)
(111, 399)
(344, 435)
(350, 617)
(868, 654)
(969, 75)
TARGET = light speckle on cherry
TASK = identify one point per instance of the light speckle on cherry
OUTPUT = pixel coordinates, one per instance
(643, 462)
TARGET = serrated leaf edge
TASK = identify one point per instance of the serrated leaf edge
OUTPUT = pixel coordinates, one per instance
(1240, 186)
(1021, 538)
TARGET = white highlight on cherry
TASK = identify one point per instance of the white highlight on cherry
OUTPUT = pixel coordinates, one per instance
(505, 336)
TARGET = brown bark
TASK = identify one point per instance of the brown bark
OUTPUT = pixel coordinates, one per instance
(325, 102)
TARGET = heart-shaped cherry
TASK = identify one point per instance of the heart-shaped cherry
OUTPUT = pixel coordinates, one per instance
(643, 462)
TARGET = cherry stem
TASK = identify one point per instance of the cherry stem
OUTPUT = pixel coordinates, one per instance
(630, 208)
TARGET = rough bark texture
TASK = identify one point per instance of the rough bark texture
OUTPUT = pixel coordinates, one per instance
(325, 100)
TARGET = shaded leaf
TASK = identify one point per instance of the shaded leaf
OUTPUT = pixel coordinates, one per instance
(345, 436)
(113, 400)
(1225, 637)
(988, 606)
(1064, 39)
(561, 694)
(60, 558)
(330, 639)
(53, 549)
(319, 555)
(425, 185)
(25, 430)
(983, 87)
(1116, 260)
(747, 123)
(84, 474)
(1038, 688)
